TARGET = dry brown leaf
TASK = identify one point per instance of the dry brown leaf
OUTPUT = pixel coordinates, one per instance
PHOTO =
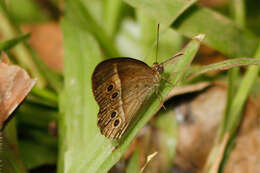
(207, 55)
(179, 90)
(198, 122)
(15, 85)
(245, 157)
(149, 158)
(47, 40)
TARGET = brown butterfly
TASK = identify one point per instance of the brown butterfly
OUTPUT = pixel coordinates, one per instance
(121, 86)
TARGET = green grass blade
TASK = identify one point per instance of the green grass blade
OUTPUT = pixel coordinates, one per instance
(133, 165)
(241, 96)
(82, 18)
(79, 135)
(9, 157)
(8, 44)
(237, 8)
(221, 33)
(163, 12)
(225, 65)
(112, 9)
(27, 11)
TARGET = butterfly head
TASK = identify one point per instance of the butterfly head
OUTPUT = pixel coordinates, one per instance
(158, 67)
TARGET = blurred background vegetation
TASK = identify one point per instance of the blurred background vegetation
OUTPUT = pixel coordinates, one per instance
(206, 128)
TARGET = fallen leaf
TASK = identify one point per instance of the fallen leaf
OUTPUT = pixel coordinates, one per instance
(47, 41)
(15, 84)
(245, 157)
(198, 123)
(184, 89)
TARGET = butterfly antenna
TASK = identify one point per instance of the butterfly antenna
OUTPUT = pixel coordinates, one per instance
(157, 41)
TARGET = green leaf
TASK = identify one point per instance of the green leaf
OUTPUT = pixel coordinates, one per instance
(133, 166)
(27, 11)
(221, 33)
(80, 138)
(163, 12)
(37, 154)
(81, 17)
(224, 65)
(9, 157)
(8, 44)
(112, 10)
(167, 132)
(241, 96)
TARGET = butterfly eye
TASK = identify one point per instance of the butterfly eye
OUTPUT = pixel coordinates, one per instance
(110, 87)
(113, 114)
(114, 95)
(116, 122)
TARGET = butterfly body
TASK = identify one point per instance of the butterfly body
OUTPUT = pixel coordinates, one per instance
(121, 86)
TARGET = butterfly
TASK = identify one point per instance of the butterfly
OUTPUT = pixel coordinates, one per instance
(121, 86)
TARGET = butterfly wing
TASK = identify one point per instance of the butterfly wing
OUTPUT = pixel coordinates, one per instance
(121, 86)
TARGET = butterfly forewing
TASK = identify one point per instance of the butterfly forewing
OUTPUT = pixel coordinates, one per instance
(121, 86)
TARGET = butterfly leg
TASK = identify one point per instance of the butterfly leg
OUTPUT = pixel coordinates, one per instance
(161, 98)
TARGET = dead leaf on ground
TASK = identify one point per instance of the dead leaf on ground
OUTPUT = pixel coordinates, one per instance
(198, 123)
(245, 156)
(184, 89)
(207, 55)
(47, 41)
(15, 84)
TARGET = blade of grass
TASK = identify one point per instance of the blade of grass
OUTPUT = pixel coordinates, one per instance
(216, 155)
(221, 33)
(237, 8)
(235, 112)
(37, 154)
(238, 12)
(82, 18)
(77, 124)
(148, 27)
(224, 65)
(133, 165)
(36, 116)
(54, 79)
(8, 44)
(163, 12)
(9, 157)
(112, 9)
(27, 11)
(241, 96)
(167, 132)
